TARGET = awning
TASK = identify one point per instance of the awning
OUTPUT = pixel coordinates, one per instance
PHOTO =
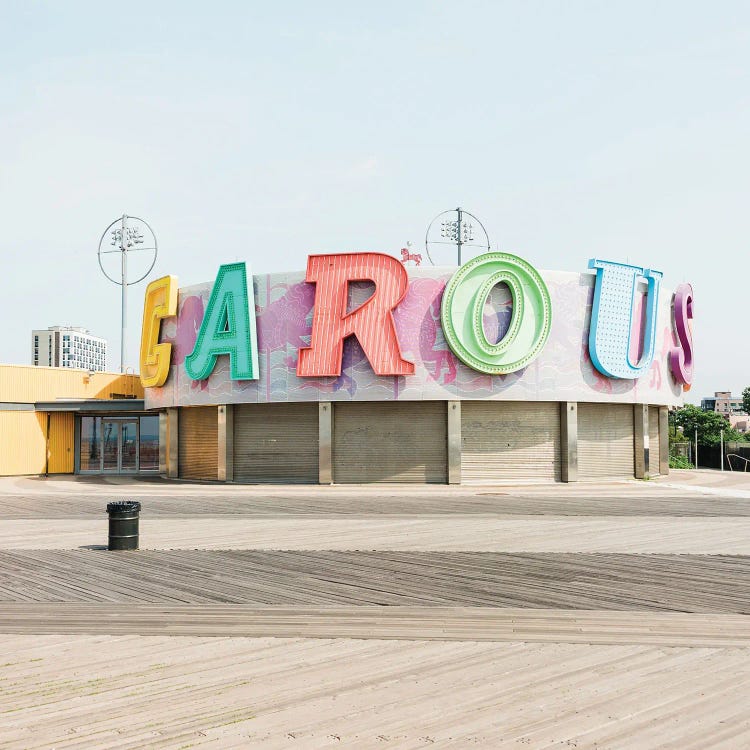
(93, 405)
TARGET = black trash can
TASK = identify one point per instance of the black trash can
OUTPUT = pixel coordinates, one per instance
(123, 524)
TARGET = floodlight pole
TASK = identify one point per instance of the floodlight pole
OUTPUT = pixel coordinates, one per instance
(458, 234)
(124, 271)
(130, 236)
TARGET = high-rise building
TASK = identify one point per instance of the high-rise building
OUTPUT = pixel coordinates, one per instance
(66, 346)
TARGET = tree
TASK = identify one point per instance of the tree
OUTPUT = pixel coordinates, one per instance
(746, 400)
(709, 424)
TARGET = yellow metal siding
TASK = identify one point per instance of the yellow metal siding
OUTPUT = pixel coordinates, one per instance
(60, 447)
(27, 384)
(23, 434)
(22, 442)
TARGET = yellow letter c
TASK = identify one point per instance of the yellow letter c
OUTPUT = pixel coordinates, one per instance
(160, 301)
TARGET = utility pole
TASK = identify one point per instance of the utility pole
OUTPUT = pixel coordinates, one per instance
(696, 447)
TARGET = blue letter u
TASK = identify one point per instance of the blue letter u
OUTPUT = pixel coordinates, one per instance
(612, 318)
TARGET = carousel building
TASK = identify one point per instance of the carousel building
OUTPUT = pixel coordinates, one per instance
(361, 370)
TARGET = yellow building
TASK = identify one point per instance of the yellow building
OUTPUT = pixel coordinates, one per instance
(56, 420)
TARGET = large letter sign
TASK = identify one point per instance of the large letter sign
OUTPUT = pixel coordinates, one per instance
(372, 322)
(462, 313)
(681, 357)
(159, 302)
(612, 318)
(227, 328)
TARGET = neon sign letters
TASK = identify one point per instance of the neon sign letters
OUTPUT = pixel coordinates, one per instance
(681, 357)
(227, 328)
(160, 302)
(372, 322)
(623, 319)
(463, 307)
(611, 332)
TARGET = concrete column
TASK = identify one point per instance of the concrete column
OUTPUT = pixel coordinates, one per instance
(454, 442)
(640, 425)
(663, 440)
(325, 442)
(569, 441)
(226, 443)
(163, 443)
(173, 446)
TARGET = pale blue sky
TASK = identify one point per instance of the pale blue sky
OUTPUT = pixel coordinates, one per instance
(266, 131)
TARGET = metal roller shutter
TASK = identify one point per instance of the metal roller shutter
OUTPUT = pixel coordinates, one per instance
(276, 443)
(390, 441)
(198, 438)
(605, 441)
(507, 440)
(653, 440)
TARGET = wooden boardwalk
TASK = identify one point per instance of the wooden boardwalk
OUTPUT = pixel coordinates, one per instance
(392, 623)
(583, 534)
(603, 616)
(658, 583)
(128, 692)
(342, 502)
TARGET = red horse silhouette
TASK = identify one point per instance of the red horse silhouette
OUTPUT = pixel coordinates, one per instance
(406, 256)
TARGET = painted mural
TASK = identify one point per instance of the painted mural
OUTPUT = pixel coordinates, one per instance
(284, 309)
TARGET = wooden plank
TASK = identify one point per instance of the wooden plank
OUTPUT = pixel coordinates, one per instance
(685, 583)
(194, 501)
(518, 534)
(279, 693)
(403, 623)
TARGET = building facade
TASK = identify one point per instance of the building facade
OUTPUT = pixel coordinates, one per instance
(60, 346)
(60, 421)
(724, 402)
(360, 372)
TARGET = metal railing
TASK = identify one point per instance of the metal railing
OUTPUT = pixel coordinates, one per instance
(730, 456)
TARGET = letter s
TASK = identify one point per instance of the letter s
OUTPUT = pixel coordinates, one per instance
(681, 357)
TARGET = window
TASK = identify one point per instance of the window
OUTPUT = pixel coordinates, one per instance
(149, 443)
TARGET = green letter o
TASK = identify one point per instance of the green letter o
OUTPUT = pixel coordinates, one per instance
(462, 313)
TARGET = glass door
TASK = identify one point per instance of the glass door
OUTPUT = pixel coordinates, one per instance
(110, 445)
(119, 446)
(128, 447)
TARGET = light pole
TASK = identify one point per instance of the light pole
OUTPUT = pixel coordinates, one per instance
(132, 235)
(456, 230)
(696, 447)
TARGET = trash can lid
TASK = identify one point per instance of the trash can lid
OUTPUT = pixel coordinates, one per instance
(124, 506)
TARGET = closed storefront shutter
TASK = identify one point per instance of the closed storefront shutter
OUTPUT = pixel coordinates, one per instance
(198, 435)
(390, 442)
(276, 443)
(506, 440)
(605, 440)
(653, 440)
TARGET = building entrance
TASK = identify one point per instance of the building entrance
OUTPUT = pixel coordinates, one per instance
(119, 445)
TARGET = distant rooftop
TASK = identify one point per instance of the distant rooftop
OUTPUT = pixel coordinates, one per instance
(68, 328)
